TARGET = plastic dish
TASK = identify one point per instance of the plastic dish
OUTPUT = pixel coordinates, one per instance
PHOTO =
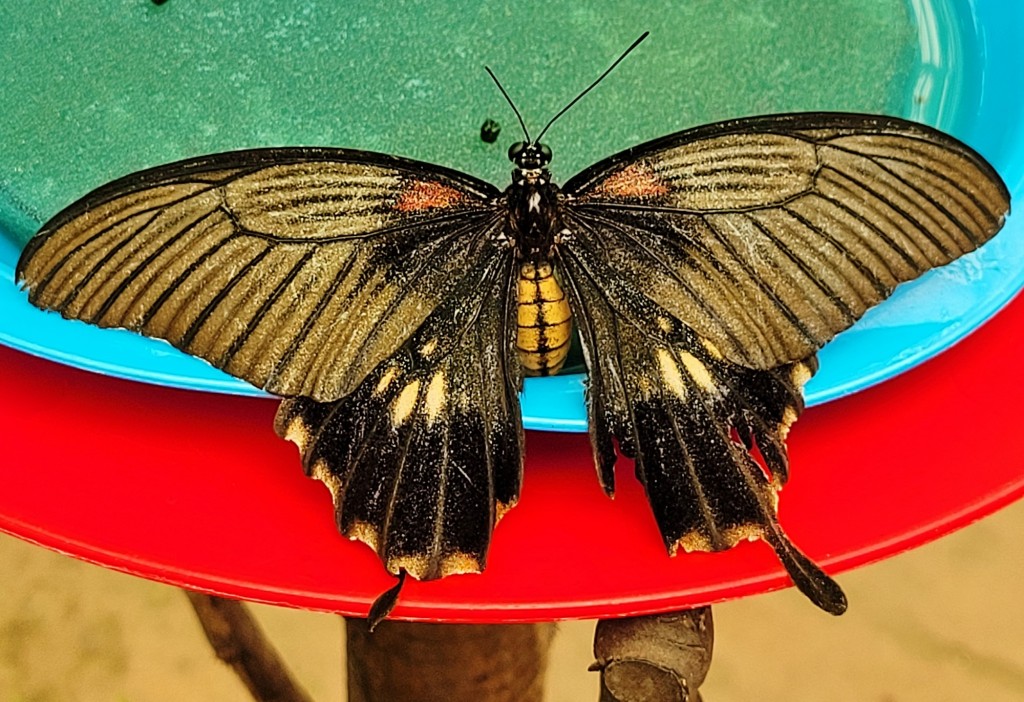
(959, 70)
(196, 490)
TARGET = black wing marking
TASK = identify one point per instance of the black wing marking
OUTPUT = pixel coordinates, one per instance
(691, 420)
(298, 270)
(770, 235)
(426, 455)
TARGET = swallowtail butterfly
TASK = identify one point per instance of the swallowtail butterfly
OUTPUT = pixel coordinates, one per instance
(396, 306)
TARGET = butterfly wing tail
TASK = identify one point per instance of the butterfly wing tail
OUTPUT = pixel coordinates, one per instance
(808, 577)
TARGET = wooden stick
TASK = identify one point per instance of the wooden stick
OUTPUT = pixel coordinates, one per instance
(658, 657)
(402, 662)
(238, 641)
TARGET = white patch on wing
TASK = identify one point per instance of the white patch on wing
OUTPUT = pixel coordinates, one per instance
(385, 380)
(670, 374)
(436, 397)
(405, 403)
(698, 371)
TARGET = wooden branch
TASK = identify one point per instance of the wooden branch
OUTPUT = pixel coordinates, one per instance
(658, 657)
(238, 641)
(402, 662)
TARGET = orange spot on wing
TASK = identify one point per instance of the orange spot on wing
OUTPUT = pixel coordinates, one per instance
(633, 181)
(424, 195)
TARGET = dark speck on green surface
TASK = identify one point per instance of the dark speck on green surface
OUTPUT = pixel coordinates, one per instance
(91, 91)
(489, 131)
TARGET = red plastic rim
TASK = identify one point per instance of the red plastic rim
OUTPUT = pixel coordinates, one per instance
(196, 490)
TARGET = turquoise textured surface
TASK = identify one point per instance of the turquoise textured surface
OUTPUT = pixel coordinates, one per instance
(91, 91)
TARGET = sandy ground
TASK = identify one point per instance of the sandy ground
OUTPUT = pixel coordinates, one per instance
(945, 622)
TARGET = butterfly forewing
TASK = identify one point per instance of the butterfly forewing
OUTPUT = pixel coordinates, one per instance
(768, 236)
(299, 270)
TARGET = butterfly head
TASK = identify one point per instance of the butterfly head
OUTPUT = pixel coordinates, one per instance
(531, 159)
(529, 156)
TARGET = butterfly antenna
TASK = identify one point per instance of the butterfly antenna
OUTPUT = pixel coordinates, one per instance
(509, 100)
(594, 84)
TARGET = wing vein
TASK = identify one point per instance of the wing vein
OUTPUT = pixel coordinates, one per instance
(758, 279)
(257, 319)
(189, 271)
(423, 263)
(846, 254)
(881, 199)
(94, 268)
(587, 222)
(196, 324)
(714, 535)
(142, 267)
(829, 293)
(902, 251)
(927, 197)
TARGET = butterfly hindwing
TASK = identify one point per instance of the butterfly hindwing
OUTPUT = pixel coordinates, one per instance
(770, 235)
(426, 455)
(690, 420)
(298, 270)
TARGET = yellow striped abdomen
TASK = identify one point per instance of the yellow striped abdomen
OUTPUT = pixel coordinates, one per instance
(544, 320)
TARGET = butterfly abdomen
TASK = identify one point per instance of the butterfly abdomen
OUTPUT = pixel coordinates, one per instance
(544, 324)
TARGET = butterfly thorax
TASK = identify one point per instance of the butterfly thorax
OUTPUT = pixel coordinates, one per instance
(534, 220)
(544, 320)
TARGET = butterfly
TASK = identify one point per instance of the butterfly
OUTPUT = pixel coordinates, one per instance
(396, 306)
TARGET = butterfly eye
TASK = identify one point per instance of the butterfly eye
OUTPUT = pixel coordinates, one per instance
(515, 150)
(545, 153)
